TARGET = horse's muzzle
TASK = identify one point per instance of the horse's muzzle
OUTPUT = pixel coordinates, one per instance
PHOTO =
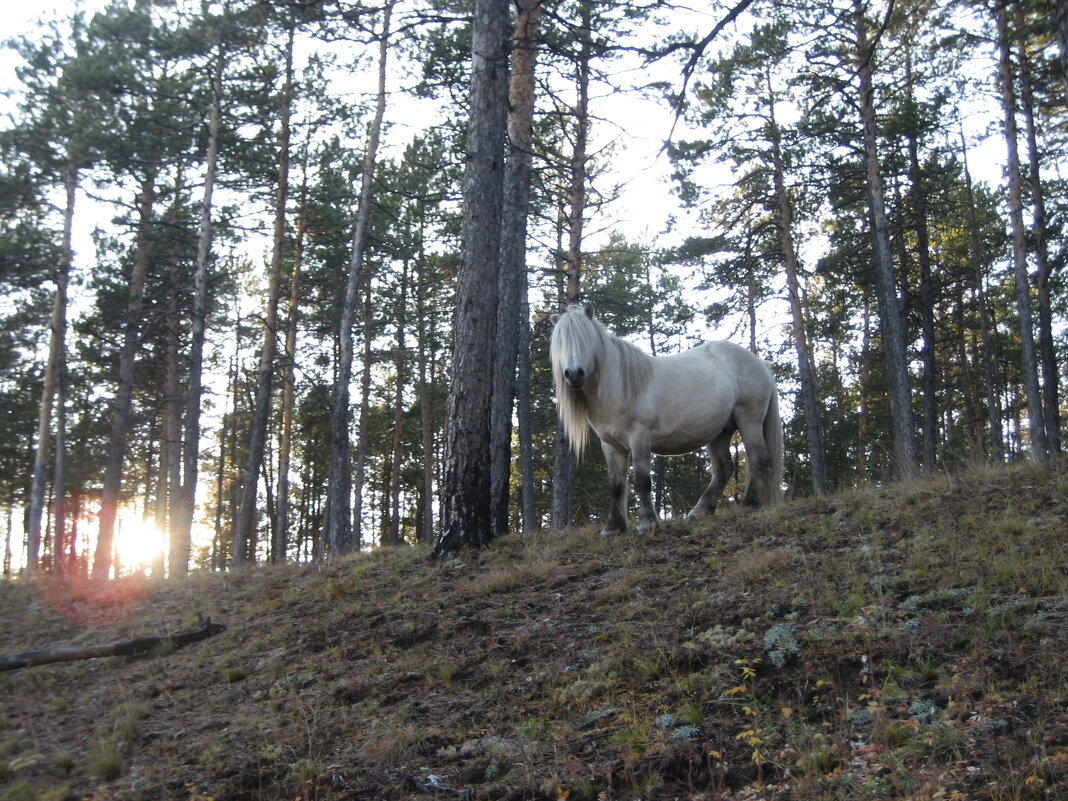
(575, 377)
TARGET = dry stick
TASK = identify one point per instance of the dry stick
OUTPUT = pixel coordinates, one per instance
(69, 653)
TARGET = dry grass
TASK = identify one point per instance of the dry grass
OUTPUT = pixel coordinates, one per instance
(906, 642)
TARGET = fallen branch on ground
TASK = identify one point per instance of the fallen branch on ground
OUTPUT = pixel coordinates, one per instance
(431, 786)
(69, 653)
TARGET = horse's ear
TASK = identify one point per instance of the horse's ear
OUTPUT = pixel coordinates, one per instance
(589, 310)
(554, 318)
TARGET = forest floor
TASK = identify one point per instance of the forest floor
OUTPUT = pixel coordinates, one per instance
(902, 642)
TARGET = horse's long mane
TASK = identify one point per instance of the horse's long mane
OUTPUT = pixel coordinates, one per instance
(577, 332)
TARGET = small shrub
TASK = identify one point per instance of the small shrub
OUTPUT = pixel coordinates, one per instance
(235, 674)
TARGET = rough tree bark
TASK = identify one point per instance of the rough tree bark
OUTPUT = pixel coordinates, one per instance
(466, 513)
(510, 322)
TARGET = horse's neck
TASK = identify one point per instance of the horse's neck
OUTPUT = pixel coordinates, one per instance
(625, 371)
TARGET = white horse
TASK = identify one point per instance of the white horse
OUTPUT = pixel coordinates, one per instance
(640, 405)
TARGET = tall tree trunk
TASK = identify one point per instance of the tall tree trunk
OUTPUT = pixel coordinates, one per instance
(923, 246)
(862, 412)
(359, 471)
(1046, 347)
(285, 442)
(513, 253)
(337, 528)
(244, 548)
(563, 461)
(523, 413)
(577, 188)
(817, 453)
(181, 536)
(971, 416)
(7, 541)
(561, 498)
(120, 413)
(59, 472)
(1035, 423)
(890, 318)
(426, 406)
(400, 377)
(54, 368)
(993, 409)
(225, 460)
(1060, 18)
(168, 500)
(466, 504)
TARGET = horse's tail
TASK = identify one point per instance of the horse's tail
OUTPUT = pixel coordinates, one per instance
(773, 439)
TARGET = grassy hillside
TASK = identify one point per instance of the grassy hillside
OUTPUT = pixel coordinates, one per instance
(906, 642)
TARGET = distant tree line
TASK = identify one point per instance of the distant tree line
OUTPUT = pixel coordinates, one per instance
(315, 320)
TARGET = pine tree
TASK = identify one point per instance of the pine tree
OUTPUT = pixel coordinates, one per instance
(466, 503)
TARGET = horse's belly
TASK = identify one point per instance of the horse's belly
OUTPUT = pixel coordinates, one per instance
(677, 444)
(672, 436)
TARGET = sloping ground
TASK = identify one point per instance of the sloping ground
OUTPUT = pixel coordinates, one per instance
(907, 642)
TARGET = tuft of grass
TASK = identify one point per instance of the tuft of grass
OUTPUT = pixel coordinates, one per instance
(761, 563)
(22, 791)
(511, 578)
(105, 762)
(126, 719)
(818, 757)
(234, 674)
(445, 673)
(63, 762)
(693, 713)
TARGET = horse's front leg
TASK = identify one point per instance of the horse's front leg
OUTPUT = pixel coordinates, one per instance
(643, 483)
(617, 485)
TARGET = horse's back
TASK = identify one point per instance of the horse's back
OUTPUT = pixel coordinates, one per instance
(725, 359)
(733, 373)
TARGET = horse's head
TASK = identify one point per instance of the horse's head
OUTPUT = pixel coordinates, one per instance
(574, 346)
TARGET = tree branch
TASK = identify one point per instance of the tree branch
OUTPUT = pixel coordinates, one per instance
(69, 653)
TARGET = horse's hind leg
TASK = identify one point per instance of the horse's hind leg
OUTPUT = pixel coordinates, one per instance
(617, 484)
(722, 468)
(758, 463)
